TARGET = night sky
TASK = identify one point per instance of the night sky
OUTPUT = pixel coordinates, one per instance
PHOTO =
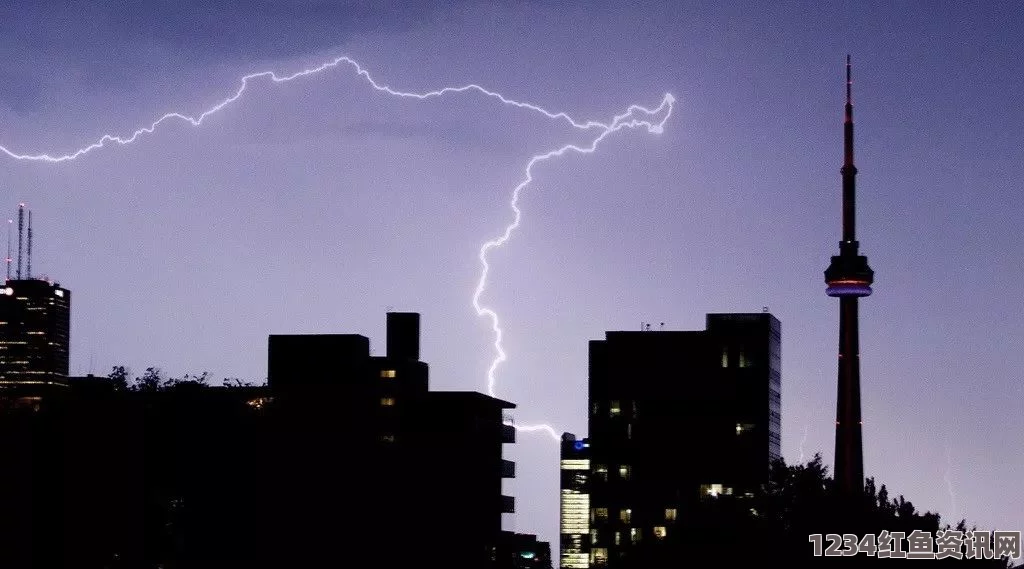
(317, 205)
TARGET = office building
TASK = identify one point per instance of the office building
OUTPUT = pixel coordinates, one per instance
(677, 417)
(574, 526)
(35, 329)
(400, 448)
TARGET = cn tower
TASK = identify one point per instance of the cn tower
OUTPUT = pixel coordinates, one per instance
(848, 278)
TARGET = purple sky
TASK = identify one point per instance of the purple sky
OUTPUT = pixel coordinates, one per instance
(317, 205)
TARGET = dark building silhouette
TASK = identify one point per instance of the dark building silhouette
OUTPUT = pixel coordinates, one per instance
(343, 459)
(849, 277)
(401, 448)
(677, 417)
(574, 499)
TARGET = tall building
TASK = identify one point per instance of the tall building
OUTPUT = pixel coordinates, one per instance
(398, 448)
(575, 503)
(849, 278)
(35, 328)
(677, 417)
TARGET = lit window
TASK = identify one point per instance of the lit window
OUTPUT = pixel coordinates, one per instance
(618, 538)
(659, 532)
(387, 401)
(593, 536)
(725, 357)
(388, 438)
(599, 556)
(634, 535)
(387, 373)
(258, 403)
(743, 428)
(626, 516)
(670, 514)
(601, 472)
(624, 471)
(713, 490)
(600, 514)
(629, 431)
(744, 362)
(613, 409)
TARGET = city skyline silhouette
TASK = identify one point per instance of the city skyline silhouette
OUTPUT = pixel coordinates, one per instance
(311, 208)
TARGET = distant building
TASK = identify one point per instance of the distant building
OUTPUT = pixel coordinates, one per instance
(522, 551)
(575, 503)
(677, 417)
(35, 330)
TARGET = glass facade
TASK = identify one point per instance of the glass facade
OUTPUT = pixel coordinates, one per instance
(575, 527)
(35, 325)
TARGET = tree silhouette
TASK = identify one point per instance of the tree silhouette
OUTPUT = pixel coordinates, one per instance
(799, 501)
(118, 377)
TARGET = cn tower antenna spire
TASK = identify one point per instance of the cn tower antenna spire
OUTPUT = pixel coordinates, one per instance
(849, 278)
(849, 84)
(9, 223)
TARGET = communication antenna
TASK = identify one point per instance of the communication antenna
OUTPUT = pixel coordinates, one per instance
(662, 325)
(29, 255)
(10, 222)
(21, 232)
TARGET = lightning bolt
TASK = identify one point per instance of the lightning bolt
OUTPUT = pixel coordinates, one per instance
(949, 484)
(627, 119)
(635, 116)
(803, 441)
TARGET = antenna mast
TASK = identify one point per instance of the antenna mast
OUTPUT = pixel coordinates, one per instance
(21, 232)
(29, 255)
(10, 222)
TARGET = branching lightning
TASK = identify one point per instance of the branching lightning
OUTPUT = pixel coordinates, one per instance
(634, 117)
(625, 120)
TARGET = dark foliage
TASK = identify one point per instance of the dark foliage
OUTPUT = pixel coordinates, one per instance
(800, 500)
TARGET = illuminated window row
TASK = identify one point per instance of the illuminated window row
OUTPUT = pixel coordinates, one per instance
(575, 464)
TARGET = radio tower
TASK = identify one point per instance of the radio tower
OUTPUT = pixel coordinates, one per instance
(9, 223)
(849, 277)
(21, 233)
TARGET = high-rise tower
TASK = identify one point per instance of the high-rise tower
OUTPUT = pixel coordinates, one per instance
(849, 277)
(35, 327)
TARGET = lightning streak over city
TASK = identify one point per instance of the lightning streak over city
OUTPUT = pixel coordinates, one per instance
(634, 117)
(625, 120)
